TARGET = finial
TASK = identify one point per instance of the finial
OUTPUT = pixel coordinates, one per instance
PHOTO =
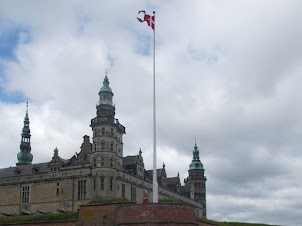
(56, 151)
(106, 72)
(27, 106)
(140, 151)
(164, 165)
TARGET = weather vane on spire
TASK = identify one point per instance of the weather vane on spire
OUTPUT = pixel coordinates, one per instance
(27, 105)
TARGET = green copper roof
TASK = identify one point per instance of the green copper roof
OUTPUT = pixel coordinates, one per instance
(24, 156)
(105, 87)
(196, 163)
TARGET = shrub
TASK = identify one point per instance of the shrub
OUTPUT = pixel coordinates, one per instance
(108, 200)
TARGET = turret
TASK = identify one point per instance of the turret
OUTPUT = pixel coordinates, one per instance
(196, 181)
(106, 157)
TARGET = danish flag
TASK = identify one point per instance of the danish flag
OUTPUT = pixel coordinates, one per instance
(149, 19)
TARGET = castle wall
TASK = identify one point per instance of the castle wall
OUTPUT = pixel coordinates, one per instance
(47, 192)
(52, 191)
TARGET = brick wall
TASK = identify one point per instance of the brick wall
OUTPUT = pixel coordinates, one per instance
(136, 214)
(131, 214)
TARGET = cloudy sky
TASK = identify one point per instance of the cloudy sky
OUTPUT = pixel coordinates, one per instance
(228, 73)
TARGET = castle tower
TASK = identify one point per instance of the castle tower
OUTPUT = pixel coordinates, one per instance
(196, 181)
(107, 148)
(24, 156)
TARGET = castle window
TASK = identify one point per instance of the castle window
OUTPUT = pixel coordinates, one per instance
(103, 131)
(111, 133)
(82, 189)
(111, 147)
(25, 194)
(94, 162)
(123, 190)
(58, 191)
(94, 184)
(102, 161)
(94, 147)
(133, 194)
(102, 183)
(111, 162)
(111, 184)
(102, 145)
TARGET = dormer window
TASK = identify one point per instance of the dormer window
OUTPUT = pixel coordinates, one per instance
(17, 171)
(35, 170)
(55, 169)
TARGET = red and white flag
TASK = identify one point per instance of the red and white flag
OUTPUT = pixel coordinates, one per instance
(149, 19)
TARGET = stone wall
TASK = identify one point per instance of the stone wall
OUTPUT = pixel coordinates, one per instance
(43, 190)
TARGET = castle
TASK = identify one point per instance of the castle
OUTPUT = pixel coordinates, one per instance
(98, 170)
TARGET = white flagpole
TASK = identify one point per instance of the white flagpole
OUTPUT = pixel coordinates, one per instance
(155, 185)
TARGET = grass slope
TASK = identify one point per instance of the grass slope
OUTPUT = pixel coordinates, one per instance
(41, 218)
(230, 223)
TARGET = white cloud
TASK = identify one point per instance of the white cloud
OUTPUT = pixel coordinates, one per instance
(228, 73)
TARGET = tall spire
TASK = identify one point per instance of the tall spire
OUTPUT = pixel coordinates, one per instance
(24, 156)
(196, 163)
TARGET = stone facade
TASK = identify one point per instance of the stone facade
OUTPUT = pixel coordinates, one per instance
(98, 170)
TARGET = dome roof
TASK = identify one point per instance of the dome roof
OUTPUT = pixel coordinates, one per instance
(105, 87)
